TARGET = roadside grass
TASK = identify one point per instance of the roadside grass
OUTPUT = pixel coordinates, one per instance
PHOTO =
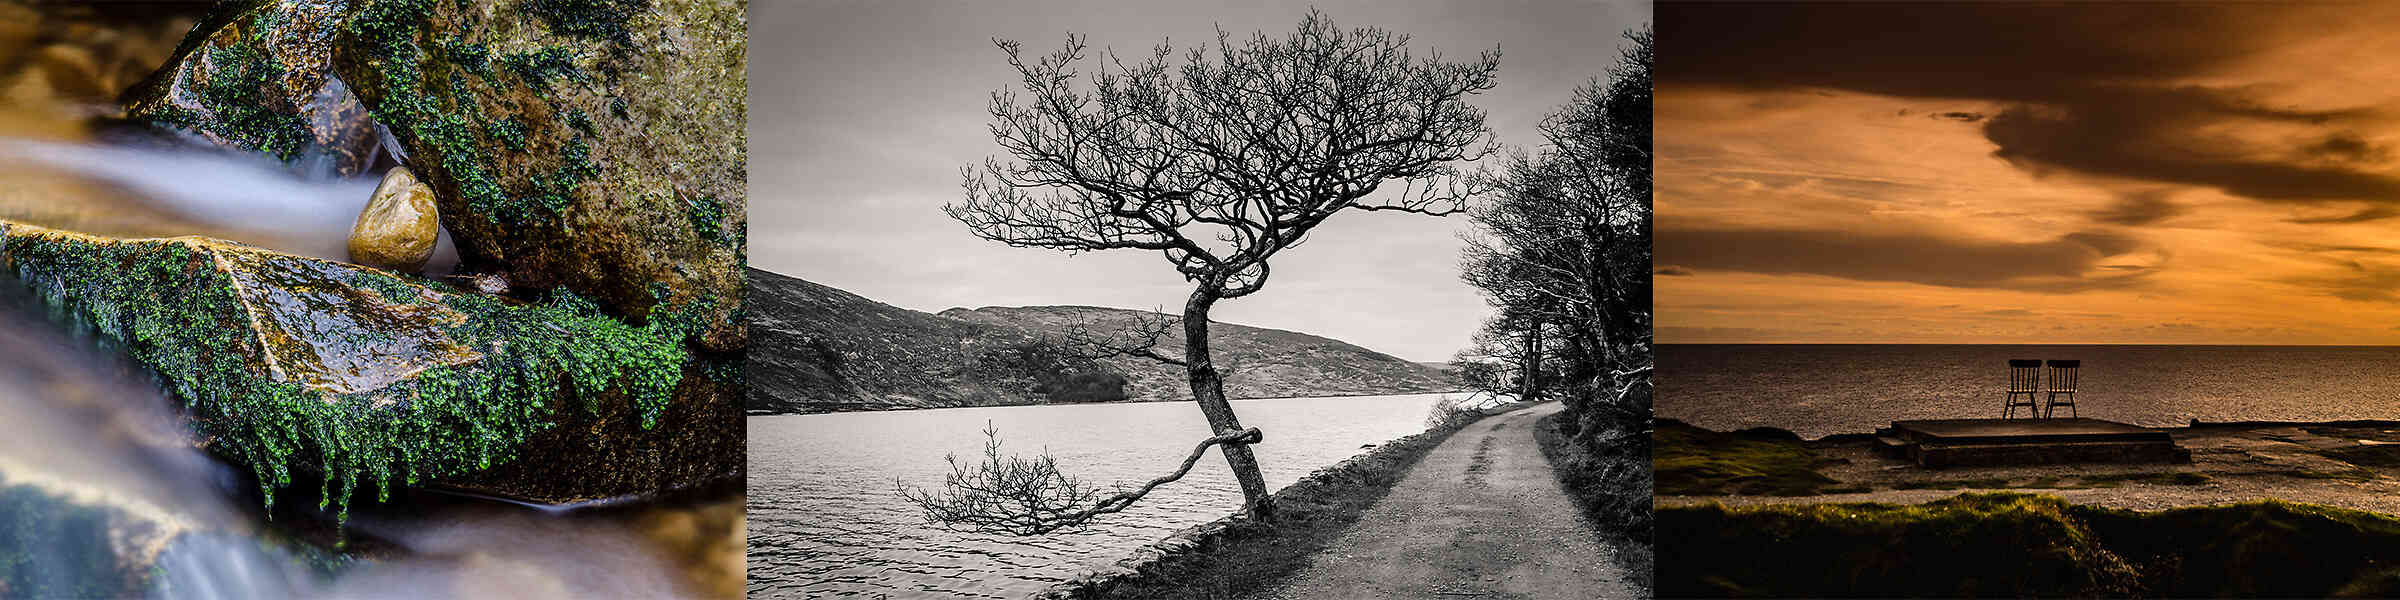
(2015, 544)
(1249, 558)
(1694, 461)
(1613, 491)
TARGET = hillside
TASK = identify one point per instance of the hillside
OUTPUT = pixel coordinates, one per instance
(819, 349)
(1257, 362)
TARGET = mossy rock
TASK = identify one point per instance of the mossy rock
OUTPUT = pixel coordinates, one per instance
(594, 145)
(257, 75)
(291, 363)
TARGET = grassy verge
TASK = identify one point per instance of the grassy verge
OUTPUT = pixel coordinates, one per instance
(1613, 491)
(1695, 461)
(1247, 557)
(2012, 544)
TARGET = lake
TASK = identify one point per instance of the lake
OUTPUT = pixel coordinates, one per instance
(825, 518)
(1823, 389)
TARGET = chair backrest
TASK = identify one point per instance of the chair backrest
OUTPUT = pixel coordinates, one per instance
(2063, 374)
(2024, 375)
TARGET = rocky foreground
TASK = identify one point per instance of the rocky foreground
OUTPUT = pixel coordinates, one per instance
(820, 349)
(587, 160)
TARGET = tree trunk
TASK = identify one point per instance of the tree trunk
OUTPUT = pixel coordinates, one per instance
(1530, 382)
(1208, 388)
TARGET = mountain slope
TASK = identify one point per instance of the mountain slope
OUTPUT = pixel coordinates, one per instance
(819, 349)
(1257, 362)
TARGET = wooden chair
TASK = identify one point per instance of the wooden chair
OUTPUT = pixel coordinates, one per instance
(2024, 379)
(2063, 374)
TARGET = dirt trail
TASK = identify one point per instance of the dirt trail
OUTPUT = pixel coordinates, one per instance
(1481, 516)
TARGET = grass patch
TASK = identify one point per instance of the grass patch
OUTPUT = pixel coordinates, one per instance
(1613, 491)
(1250, 557)
(1694, 461)
(2013, 544)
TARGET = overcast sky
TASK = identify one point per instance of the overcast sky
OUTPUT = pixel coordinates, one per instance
(1989, 173)
(862, 113)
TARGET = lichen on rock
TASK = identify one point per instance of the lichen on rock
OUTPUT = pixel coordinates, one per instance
(288, 363)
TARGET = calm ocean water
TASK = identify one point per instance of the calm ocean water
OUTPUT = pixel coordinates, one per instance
(825, 521)
(1818, 390)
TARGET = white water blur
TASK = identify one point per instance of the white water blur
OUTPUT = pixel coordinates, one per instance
(307, 214)
(82, 426)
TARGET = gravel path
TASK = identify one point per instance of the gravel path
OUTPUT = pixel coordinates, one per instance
(1481, 516)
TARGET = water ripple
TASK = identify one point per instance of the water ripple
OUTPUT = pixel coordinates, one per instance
(825, 522)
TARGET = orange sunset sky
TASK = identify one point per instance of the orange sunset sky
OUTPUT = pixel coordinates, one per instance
(1977, 173)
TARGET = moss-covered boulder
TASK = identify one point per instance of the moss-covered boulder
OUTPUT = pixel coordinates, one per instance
(257, 75)
(594, 145)
(289, 364)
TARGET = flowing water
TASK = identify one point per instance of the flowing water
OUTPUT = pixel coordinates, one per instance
(1819, 390)
(828, 520)
(105, 492)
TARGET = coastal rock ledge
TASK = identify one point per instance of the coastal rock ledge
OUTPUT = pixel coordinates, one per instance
(363, 380)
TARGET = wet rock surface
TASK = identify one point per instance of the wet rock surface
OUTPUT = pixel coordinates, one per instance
(398, 228)
(289, 364)
(257, 75)
(594, 145)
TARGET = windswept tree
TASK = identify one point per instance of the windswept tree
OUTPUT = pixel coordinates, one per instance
(1217, 161)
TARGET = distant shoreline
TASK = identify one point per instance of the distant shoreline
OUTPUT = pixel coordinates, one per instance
(862, 407)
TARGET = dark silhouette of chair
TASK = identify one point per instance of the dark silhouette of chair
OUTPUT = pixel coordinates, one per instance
(2024, 380)
(2063, 374)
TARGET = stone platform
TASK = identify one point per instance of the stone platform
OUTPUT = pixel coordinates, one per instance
(2007, 442)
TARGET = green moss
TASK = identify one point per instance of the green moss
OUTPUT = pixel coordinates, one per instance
(1694, 461)
(539, 67)
(237, 92)
(473, 57)
(510, 132)
(707, 215)
(590, 20)
(167, 306)
(424, 108)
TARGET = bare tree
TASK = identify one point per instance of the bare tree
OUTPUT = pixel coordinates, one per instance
(1564, 249)
(1030, 496)
(1222, 159)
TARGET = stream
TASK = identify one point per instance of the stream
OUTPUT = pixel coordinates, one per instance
(106, 491)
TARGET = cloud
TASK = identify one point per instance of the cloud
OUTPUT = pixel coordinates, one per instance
(2349, 147)
(2069, 263)
(2357, 281)
(2092, 89)
(1672, 271)
(2138, 208)
(2371, 213)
